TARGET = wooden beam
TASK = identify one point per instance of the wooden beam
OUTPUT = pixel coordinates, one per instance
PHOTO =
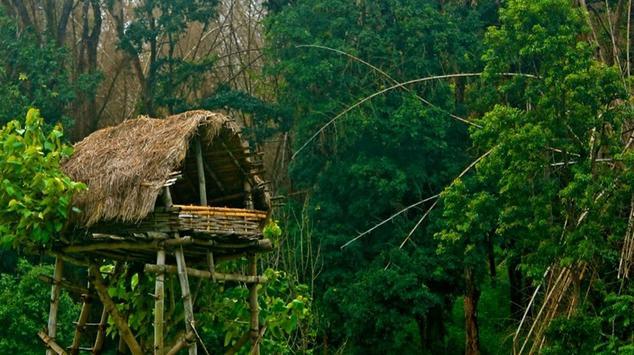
(157, 269)
(153, 245)
(202, 186)
(235, 161)
(124, 329)
(55, 291)
(64, 284)
(52, 346)
(159, 304)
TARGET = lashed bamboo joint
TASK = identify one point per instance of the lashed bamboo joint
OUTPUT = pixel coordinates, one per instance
(176, 195)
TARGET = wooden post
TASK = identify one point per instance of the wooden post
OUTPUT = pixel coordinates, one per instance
(202, 186)
(101, 332)
(253, 305)
(159, 304)
(248, 196)
(80, 327)
(186, 294)
(119, 320)
(55, 290)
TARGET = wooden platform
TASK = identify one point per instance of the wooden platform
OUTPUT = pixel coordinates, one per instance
(223, 231)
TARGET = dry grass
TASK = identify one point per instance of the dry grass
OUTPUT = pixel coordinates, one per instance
(125, 166)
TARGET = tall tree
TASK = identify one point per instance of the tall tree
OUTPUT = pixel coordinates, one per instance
(555, 196)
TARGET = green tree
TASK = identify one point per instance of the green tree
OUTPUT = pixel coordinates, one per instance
(549, 193)
(386, 154)
(24, 303)
(32, 73)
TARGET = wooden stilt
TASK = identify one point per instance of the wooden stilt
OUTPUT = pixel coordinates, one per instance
(159, 304)
(55, 290)
(253, 305)
(80, 327)
(101, 332)
(186, 294)
(202, 186)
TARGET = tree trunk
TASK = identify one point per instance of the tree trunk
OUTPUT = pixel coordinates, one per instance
(471, 297)
(515, 287)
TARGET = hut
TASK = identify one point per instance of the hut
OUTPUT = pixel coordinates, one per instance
(177, 195)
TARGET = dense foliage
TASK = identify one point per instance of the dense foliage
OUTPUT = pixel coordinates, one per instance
(24, 302)
(387, 154)
(32, 74)
(486, 207)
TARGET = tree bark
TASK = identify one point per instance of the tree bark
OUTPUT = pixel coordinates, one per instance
(471, 297)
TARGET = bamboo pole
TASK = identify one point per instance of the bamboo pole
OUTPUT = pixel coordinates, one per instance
(253, 305)
(119, 321)
(186, 295)
(101, 332)
(157, 269)
(159, 304)
(55, 291)
(80, 327)
(202, 186)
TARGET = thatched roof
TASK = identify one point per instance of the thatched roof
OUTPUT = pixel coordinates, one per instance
(126, 166)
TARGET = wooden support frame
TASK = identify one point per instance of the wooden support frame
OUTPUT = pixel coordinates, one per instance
(80, 327)
(157, 269)
(52, 314)
(101, 332)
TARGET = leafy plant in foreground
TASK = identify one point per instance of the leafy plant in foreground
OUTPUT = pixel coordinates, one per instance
(34, 192)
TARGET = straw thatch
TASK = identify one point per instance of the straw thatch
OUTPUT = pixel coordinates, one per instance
(126, 166)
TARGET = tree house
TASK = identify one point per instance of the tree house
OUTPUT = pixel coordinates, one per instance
(176, 195)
